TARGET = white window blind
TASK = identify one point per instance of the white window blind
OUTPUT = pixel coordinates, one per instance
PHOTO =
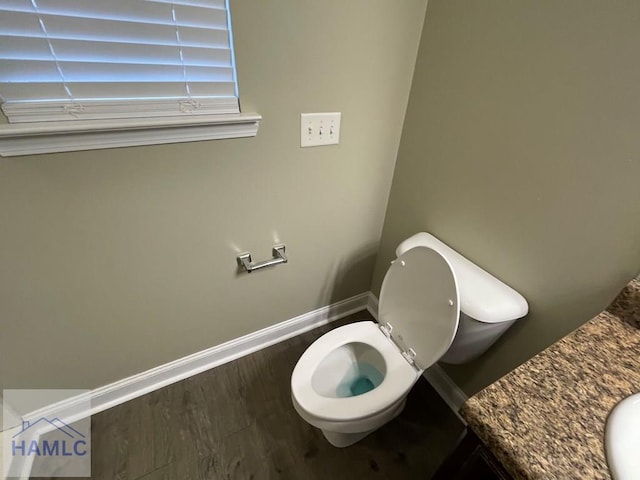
(98, 59)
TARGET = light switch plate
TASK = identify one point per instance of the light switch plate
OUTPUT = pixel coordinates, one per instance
(317, 129)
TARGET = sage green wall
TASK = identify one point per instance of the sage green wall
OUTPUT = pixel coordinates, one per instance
(116, 261)
(521, 149)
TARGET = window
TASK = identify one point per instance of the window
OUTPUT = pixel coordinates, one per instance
(156, 71)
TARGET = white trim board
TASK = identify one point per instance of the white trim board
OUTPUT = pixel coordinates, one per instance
(103, 398)
(435, 375)
(11, 424)
(20, 467)
(73, 135)
(446, 388)
(372, 305)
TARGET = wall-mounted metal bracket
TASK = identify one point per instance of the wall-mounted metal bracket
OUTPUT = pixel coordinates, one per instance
(244, 259)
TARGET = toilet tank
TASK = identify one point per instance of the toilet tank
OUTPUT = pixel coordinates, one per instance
(488, 307)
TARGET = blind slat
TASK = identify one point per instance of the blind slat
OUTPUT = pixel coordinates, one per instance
(66, 51)
(155, 90)
(126, 12)
(110, 52)
(197, 3)
(189, 37)
(27, 24)
(22, 92)
(26, 5)
(21, 71)
(17, 23)
(20, 48)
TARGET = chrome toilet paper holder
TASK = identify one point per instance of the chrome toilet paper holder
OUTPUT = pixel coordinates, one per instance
(279, 257)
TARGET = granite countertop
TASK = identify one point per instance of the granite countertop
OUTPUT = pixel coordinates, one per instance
(546, 418)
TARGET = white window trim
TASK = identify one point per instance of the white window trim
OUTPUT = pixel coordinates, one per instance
(67, 136)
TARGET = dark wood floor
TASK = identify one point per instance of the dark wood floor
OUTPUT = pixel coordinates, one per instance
(236, 421)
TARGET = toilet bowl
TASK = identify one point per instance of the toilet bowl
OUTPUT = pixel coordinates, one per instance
(356, 378)
(337, 361)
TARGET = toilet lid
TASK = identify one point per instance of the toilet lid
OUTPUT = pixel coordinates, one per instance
(419, 299)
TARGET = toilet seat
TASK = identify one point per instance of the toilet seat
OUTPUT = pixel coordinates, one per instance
(399, 378)
(419, 312)
(419, 305)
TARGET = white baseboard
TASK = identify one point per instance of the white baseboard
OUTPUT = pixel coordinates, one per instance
(103, 398)
(446, 387)
(372, 305)
(435, 375)
(19, 467)
(11, 425)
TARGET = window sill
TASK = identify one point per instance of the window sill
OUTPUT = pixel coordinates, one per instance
(50, 137)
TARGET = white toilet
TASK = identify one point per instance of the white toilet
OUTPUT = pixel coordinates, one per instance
(434, 305)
